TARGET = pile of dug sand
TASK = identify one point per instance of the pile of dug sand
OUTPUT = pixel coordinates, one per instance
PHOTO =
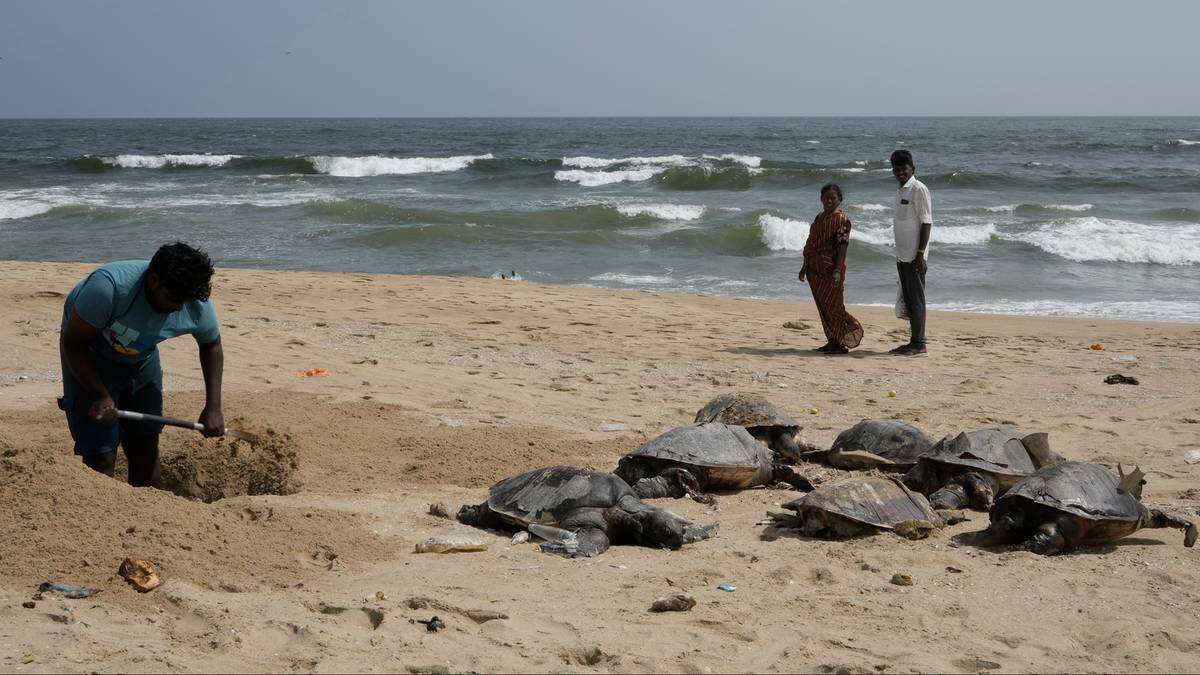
(209, 469)
(65, 522)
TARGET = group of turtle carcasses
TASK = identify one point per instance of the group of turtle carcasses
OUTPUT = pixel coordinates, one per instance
(912, 486)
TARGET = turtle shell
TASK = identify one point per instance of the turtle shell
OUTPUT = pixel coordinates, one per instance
(1081, 489)
(745, 410)
(998, 451)
(875, 500)
(728, 453)
(544, 495)
(896, 441)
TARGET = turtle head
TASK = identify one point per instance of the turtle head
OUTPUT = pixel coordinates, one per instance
(651, 527)
(471, 515)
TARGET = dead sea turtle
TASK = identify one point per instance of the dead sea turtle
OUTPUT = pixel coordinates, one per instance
(599, 508)
(1075, 503)
(864, 505)
(875, 444)
(780, 431)
(698, 457)
(975, 467)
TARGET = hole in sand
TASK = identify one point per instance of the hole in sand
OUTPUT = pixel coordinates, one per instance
(209, 469)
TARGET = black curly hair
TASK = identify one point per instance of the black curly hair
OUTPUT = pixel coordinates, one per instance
(835, 187)
(902, 158)
(184, 272)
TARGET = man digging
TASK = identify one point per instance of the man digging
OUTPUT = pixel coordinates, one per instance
(112, 323)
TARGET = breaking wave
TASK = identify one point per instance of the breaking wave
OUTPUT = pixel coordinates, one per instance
(663, 211)
(358, 167)
(598, 178)
(782, 234)
(20, 208)
(1094, 239)
(165, 161)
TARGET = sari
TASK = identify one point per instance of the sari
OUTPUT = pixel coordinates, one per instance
(825, 234)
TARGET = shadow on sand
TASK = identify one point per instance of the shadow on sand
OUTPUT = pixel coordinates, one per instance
(970, 539)
(795, 351)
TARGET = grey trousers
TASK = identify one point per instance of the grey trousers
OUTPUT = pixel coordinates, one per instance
(912, 287)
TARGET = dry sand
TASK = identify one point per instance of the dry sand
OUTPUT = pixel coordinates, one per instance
(440, 386)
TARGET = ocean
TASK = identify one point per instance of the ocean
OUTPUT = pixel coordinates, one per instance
(1095, 217)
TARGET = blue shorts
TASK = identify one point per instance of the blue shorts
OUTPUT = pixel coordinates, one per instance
(137, 388)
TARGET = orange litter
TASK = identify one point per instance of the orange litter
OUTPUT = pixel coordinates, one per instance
(1097, 346)
(312, 372)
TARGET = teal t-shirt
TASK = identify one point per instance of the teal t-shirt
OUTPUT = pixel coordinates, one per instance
(113, 299)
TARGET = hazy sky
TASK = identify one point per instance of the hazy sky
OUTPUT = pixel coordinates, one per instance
(153, 58)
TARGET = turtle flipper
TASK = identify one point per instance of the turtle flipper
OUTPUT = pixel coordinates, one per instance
(1038, 446)
(657, 487)
(695, 532)
(588, 542)
(857, 459)
(785, 473)
(950, 496)
(688, 483)
(1159, 518)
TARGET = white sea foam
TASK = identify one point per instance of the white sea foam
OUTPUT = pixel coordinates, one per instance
(852, 169)
(813, 142)
(954, 235)
(782, 234)
(1011, 208)
(159, 161)
(21, 208)
(633, 279)
(597, 178)
(1100, 239)
(663, 211)
(876, 236)
(866, 208)
(1182, 141)
(1148, 310)
(358, 167)
(585, 162)
(747, 160)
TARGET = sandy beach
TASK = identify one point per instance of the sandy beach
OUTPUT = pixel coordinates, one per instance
(439, 386)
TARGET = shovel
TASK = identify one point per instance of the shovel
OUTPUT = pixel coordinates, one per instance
(176, 422)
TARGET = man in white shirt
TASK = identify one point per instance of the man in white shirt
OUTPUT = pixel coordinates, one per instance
(911, 225)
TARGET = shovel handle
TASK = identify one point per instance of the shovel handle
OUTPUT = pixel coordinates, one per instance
(170, 421)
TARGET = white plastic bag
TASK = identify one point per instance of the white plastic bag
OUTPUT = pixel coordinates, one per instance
(901, 308)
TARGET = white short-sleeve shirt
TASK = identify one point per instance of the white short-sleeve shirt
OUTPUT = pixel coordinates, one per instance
(913, 207)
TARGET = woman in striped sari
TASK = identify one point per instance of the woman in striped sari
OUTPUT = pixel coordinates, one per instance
(825, 269)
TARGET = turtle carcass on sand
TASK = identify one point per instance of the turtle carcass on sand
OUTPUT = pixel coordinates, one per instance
(864, 505)
(699, 457)
(975, 467)
(599, 508)
(778, 430)
(1071, 504)
(888, 445)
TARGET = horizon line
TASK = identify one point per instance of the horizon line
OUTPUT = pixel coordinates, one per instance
(558, 117)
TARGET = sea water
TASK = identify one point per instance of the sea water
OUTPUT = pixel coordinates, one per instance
(1047, 216)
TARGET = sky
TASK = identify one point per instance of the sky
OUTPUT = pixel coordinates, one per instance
(269, 58)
